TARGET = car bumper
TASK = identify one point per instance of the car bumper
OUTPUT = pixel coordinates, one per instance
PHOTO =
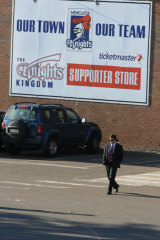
(25, 142)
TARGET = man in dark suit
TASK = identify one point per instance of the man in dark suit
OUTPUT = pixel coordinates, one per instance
(112, 157)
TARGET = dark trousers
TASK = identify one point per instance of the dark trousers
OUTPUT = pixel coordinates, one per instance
(111, 174)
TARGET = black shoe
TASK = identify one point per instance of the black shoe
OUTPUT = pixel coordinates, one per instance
(109, 193)
(116, 190)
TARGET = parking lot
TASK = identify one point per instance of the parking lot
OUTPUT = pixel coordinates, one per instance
(65, 197)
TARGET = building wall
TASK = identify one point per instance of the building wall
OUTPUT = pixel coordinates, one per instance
(136, 126)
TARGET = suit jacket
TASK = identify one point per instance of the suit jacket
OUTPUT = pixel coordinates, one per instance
(117, 155)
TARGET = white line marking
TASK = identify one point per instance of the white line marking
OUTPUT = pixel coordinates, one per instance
(14, 187)
(73, 184)
(92, 180)
(103, 180)
(31, 184)
(93, 232)
(44, 164)
(141, 181)
(148, 179)
(140, 177)
(133, 184)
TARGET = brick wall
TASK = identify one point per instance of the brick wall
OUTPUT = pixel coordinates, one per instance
(136, 126)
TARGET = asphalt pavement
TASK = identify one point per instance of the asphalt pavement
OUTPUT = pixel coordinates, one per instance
(65, 198)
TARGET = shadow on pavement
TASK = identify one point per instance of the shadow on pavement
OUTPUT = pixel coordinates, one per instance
(141, 158)
(137, 195)
(22, 226)
(81, 155)
(72, 154)
(44, 211)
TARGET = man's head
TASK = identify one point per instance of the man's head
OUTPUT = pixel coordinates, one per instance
(113, 138)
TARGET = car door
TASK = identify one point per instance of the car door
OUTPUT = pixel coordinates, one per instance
(47, 119)
(77, 128)
(62, 126)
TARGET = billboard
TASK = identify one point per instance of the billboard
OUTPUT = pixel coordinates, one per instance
(80, 50)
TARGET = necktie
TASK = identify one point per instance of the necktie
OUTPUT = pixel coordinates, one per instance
(110, 154)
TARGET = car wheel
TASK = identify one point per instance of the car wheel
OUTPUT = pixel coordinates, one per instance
(52, 147)
(93, 144)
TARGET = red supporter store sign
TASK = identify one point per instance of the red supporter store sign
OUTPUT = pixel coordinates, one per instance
(104, 76)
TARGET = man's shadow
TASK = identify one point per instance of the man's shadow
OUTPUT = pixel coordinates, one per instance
(137, 195)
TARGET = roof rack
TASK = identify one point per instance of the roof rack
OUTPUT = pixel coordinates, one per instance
(50, 104)
(40, 105)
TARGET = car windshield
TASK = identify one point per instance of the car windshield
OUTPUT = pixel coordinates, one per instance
(25, 114)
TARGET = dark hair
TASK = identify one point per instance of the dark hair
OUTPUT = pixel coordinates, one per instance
(114, 137)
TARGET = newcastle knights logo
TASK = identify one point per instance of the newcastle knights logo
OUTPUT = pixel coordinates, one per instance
(79, 30)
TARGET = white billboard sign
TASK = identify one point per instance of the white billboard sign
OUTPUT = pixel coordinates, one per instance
(80, 50)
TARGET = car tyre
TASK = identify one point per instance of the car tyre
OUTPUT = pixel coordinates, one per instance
(52, 147)
(93, 144)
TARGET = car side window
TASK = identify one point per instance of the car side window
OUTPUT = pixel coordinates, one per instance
(47, 116)
(33, 115)
(58, 115)
(73, 117)
(12, 114)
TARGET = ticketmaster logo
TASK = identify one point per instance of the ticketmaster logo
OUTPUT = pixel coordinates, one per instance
(120, 57)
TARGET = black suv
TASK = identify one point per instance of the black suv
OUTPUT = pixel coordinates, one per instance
(48, 127)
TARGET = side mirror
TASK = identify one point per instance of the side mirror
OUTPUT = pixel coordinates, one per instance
(83, 120)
